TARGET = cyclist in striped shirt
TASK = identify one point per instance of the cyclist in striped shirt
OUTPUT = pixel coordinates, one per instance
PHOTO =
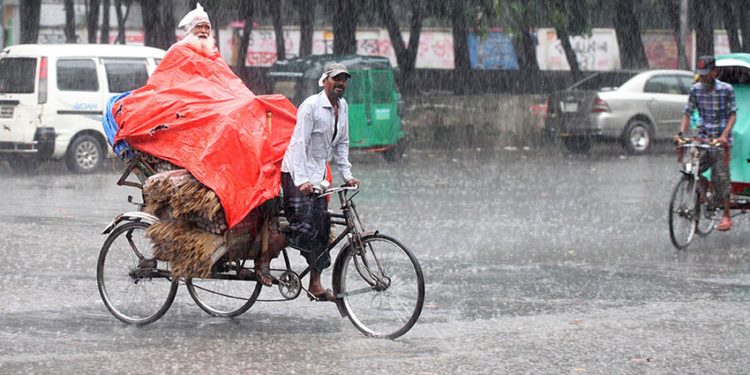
(716, 104)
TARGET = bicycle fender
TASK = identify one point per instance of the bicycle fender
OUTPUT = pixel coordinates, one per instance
(130, 216)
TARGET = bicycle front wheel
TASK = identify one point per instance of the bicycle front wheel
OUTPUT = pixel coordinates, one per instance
(135, 287)
(224, 294)
(381, 286)
(683, 213)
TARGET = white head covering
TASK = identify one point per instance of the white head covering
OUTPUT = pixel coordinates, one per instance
(194, 17)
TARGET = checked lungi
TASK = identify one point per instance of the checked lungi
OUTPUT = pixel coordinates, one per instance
(309, 223)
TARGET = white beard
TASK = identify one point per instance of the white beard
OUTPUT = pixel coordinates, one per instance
(204, 46)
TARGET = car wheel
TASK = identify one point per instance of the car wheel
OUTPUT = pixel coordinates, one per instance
(85, 155)
(24, 163)
(637, 137)
(579, 144)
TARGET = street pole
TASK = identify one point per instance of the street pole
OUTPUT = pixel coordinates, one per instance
(682, 60)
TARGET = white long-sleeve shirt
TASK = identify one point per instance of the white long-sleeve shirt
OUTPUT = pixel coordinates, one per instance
(312, 143)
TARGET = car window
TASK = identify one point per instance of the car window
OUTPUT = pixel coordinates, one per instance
(17, 75)
(77, 75)
(663, 85)
(126, 74)
(686, 82)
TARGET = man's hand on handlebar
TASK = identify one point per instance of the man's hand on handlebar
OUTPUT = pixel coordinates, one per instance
(679, 139)
(306, 188)
(352, 182)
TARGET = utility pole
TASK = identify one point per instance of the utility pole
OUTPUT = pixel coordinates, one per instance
(682, 60)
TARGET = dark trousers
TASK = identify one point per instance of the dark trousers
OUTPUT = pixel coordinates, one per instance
(309, 224)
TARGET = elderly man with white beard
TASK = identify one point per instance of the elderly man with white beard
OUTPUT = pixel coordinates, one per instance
(198, 31)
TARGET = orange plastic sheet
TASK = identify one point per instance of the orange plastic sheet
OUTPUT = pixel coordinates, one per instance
(196, 113)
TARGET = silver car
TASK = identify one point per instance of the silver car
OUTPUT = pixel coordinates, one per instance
(633, 108)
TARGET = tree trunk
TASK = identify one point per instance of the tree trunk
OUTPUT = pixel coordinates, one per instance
(278, 29)
(744, 12)
(247, 13)
(673, 10)
(104, 37)
(120, 22)
(525, 44)
(628, 32)
(70, 22)
(30, 12)
(704, 30)
(92, 19)
(730, 24)
(158, 23)
(570, 53)
(461, 61)
(406, 56)
(307, 18)
(345, 20)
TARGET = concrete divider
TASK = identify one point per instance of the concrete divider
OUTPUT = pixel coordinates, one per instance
(491, 120)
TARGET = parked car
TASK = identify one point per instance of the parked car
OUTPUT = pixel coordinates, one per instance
(374, 119)
(634, 108)
(52, 99)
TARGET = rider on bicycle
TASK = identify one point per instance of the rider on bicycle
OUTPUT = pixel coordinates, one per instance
(716, 105)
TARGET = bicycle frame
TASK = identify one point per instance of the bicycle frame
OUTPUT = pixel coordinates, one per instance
(348, 218)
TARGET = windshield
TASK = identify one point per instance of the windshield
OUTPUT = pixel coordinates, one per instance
(17, 75)
(602, 80)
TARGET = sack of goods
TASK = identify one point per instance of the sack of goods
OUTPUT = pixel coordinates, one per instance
(192, 231)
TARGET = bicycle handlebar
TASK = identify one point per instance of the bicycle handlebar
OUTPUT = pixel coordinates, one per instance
(685, 143)
(321, 191)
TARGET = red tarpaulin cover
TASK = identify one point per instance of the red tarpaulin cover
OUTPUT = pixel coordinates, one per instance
(196, 113)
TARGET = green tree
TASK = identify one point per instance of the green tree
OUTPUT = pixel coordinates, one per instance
(92, 18)
(121, 18)
(30, 11)
(158, 23)
(70, 21)
(306, 11)
(104, 36)
(628, 31)
(703, 12)
(405, 55)
(344, 23)
(568, 18)
(519, 18)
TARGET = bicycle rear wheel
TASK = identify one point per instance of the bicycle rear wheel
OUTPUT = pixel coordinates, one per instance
(224, 294)
(381, 286)
(683, 213)
(135, 287)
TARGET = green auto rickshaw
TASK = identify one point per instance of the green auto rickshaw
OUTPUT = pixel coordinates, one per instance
(374, 120)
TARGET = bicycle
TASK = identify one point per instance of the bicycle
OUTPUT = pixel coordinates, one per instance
(378, 282)
(692, 207)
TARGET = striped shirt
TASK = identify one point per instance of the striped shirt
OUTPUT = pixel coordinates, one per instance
(714, 106)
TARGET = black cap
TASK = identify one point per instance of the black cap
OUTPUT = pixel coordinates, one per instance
(705, 65)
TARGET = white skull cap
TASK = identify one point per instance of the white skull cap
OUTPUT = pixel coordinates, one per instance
(194, 17)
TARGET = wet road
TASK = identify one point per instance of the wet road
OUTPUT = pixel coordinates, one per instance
(535, 262)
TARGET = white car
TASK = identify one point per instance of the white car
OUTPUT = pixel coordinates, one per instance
(634, 108)
(52, 98)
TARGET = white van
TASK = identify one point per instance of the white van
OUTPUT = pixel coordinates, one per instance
(52, 98)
